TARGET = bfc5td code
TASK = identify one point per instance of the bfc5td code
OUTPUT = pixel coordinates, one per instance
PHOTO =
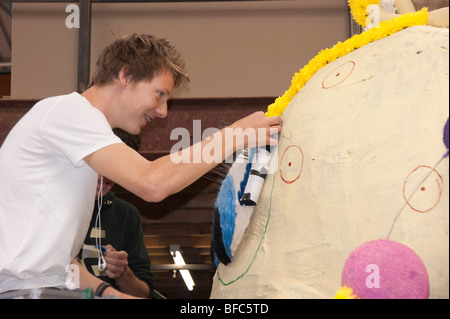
(246, 308)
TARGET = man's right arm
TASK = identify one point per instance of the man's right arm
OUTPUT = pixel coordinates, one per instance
(155, 180)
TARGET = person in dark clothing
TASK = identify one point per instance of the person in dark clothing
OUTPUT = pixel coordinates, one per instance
(127, 261)
(119, 232)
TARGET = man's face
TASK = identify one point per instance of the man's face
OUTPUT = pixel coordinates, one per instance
(105, 185)
(143, 101)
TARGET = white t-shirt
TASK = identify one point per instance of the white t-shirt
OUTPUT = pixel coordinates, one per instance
(47, 191)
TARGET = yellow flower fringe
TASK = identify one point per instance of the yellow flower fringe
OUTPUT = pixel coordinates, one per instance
(384, 29)
(345, 293)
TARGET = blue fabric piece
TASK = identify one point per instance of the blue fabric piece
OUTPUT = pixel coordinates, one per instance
(226, 204)
(225, 215)
(215, 259)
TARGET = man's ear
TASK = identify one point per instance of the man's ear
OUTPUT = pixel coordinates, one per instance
(123, 78)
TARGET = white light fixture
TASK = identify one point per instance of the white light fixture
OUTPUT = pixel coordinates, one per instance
(178, 259)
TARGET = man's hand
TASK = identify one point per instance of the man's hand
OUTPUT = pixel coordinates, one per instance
(264, 128)
(87, 280)
(116, 262)
(117, 269)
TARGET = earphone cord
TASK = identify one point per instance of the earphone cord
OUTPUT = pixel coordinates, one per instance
(98, 221)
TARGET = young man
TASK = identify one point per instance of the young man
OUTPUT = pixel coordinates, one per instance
(61, 145)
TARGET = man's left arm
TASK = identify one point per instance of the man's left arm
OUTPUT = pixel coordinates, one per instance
(117, 268)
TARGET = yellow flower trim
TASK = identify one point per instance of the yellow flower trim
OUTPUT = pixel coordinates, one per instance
(358, 10)
(345, 293)
(384, 29)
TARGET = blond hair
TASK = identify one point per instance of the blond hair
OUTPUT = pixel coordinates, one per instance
(142, 57)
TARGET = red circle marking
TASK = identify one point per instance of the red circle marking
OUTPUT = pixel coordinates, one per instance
(339, 74)
(437, 179)
(291, 180)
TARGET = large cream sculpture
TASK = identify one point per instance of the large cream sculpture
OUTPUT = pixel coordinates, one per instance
(358, 193)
